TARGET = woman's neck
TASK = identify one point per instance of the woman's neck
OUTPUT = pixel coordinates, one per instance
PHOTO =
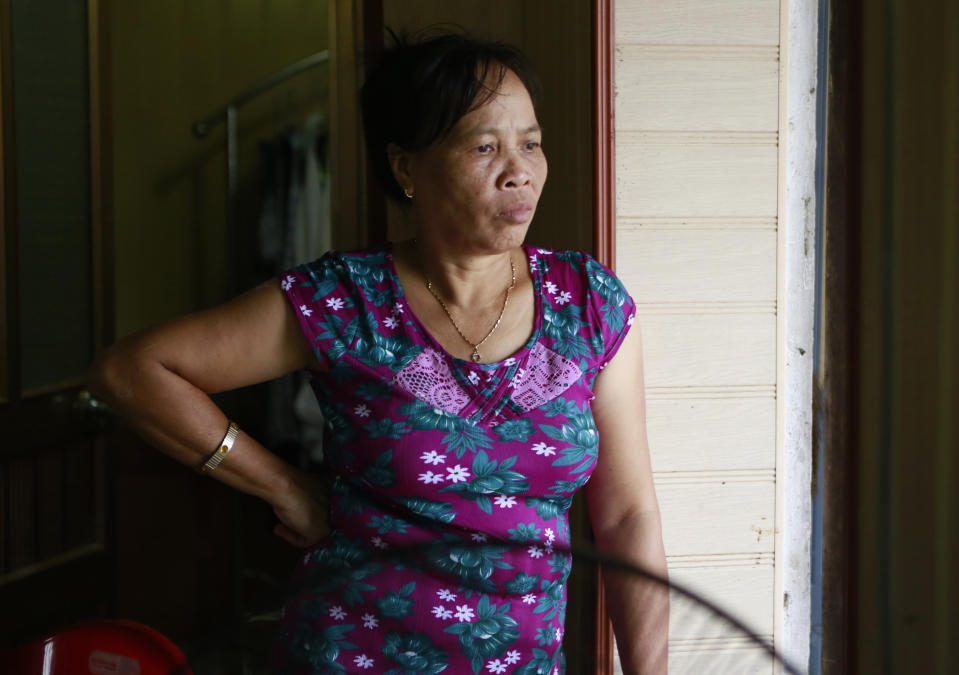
(463, 280)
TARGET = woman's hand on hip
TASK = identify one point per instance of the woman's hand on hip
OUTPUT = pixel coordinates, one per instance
(303, 510)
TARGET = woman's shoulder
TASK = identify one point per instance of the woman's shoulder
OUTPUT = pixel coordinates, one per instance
(572, 266)
(346, 263)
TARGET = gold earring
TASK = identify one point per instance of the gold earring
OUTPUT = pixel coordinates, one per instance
(408, 192)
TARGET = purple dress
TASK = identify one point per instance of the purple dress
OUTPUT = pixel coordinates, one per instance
(452, 479)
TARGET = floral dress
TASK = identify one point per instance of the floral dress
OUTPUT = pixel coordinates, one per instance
(451, 479)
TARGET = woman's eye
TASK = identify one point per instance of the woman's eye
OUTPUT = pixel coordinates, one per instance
(532, 145)
(484, 149)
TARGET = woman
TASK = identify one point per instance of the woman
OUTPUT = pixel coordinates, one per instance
(470, 384)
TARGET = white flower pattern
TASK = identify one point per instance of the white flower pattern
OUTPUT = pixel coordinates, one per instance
(433, 457)
(441, 612)
(496, 666)
(543, 449)
(431, 478)
(464, 613)
(457, 474)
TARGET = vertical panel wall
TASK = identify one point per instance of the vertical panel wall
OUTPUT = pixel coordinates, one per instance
(697, 147)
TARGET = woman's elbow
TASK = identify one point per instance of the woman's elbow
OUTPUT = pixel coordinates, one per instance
(111, 375)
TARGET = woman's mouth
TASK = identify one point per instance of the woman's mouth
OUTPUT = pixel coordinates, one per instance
(517, 214)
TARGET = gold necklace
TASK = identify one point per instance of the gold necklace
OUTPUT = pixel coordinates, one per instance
(476, 354)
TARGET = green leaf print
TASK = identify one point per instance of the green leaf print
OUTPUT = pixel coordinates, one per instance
(551, 602)
(414, 654)
(472, 565)
(384, 524)
(378, 297)
(560, 406)
(324, 288)
(386, 428)
(369, 390)
(342, 565)
(568, 487)
(572, 258)
(462, 435)
(317, 649)
(514, 430)
(524, 532)
(379, 350)
(339, 425)
(490, 635)
(423, 417)
(605, 284)
(432, 510)
(396, 605)
(490, 478)
(548, 508)
(380, 473)
(540, 664)
(563, 327)
(580, 433)
(561, 564)
(468, 438)
(522, 583)
(545, 636)
(367, 270)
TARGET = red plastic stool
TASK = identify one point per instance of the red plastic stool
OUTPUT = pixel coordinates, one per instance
(105, 647)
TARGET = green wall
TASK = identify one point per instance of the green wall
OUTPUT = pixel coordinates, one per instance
(172, 64)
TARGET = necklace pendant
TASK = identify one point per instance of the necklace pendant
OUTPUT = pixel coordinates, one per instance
(476, 356)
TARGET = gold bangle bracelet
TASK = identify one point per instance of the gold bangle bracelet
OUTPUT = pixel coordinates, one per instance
(225, 446)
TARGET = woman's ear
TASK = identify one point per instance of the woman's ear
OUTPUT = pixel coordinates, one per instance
(401, 162)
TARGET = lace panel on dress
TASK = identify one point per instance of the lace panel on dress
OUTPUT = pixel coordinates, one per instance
(546, 376)
(428, 378)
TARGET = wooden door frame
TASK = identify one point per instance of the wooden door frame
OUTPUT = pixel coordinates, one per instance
(32, 412)
(837, 399)
(604, 233)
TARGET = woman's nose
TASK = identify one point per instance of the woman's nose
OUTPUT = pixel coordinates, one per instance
(515, 173)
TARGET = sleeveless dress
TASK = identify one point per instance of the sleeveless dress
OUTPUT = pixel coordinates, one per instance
(451, 479)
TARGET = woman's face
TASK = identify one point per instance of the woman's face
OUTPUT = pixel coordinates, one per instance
(477, 189)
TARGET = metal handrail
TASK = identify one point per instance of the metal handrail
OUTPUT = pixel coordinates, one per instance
(203, 127)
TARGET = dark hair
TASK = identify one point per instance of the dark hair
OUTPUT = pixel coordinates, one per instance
(420, 88)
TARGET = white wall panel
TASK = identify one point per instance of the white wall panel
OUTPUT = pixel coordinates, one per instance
(697, 179)
(711, 434)
(698, 239)
(675, 89)
(696, 266)
(742, 589)
(737, 22)
(714, 513)
(709, 350)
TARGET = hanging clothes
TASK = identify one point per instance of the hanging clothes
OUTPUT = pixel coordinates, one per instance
(294, 228)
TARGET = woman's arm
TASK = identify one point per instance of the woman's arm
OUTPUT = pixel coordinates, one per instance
(625, 514)
(159, 381)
